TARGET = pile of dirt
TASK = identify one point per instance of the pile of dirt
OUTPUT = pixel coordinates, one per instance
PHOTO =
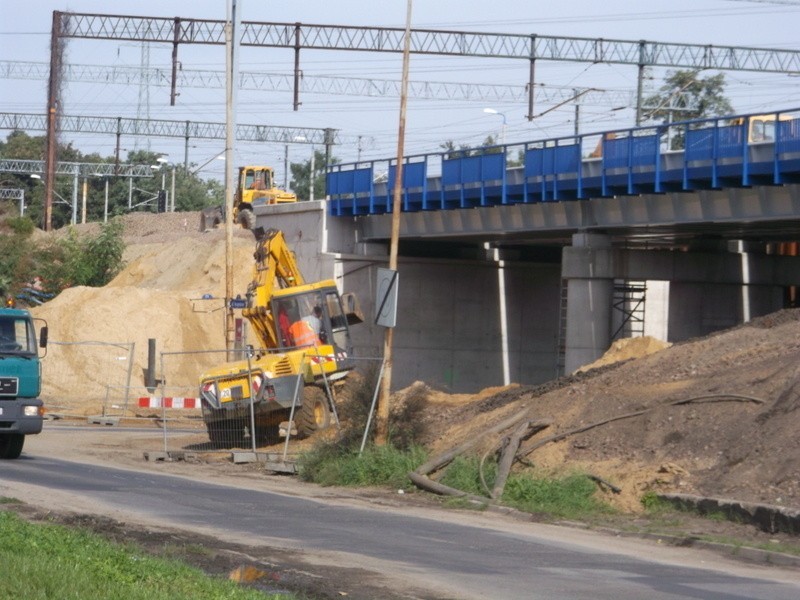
(626, 349)
(715, 416)
(171, 290)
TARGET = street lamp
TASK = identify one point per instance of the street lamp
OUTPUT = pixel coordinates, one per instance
(301, 138)
(105, 204)
(169, 200)
(492, 111)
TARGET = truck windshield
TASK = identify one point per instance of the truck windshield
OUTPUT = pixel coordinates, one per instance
(17, 336)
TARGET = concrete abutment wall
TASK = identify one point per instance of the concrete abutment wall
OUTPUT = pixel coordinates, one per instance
(467, 324)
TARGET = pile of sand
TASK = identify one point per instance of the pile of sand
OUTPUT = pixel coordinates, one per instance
(159, 295)
(626, 349)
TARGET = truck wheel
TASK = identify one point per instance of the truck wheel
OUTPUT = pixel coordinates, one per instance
(216, 432)
(247, 219)
(227, 433)
(266, 435)
(314, 415)
(11, 445)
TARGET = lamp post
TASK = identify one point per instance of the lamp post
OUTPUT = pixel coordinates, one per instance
(492, 111)
(301, 138)
(105, 203)
(311, 189)
(169, 198)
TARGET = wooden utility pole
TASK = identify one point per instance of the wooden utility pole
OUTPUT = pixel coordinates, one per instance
(231, 45)
(53, 86)
(382, 420)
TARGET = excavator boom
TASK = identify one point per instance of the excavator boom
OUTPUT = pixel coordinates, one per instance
(274, 264)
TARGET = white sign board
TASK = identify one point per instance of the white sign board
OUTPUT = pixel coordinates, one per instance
(386, 298)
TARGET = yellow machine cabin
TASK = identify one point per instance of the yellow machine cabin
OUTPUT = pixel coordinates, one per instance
(256, 187)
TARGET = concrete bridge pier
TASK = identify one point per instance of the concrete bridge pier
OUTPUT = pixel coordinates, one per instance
(587, 266)
(710, 286)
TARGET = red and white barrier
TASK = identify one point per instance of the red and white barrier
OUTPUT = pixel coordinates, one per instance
(156, 402)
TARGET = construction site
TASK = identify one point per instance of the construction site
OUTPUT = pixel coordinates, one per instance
(712, 416)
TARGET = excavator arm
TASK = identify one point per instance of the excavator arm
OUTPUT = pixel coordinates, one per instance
(275, 265)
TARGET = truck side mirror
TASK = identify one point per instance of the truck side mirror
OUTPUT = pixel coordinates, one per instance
(43, 337)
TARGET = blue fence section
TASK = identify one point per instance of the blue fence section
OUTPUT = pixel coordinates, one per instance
(732, 151)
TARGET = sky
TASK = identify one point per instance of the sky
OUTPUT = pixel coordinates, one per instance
(368, 126)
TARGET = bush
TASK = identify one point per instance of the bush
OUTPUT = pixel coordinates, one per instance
(21, 225)
(89, 260)
(16, 261)
(378, 465)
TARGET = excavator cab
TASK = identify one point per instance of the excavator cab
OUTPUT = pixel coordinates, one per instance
(311, 318)
(256, 178)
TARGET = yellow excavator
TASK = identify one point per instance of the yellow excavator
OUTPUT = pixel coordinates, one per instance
(254, 187)
(303, 331)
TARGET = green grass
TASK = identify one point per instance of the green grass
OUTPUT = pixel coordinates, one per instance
(463, 474)
(570, 497)
(737, 543)
(51, 561)
(378, 465)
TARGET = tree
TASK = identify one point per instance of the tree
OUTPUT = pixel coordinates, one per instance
(301, 175)
(464, 150)
(684, 97)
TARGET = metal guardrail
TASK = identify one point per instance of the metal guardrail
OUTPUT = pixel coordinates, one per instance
(711, 154)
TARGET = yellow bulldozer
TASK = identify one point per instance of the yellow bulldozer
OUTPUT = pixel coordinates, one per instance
(255, 186)
(304, 337)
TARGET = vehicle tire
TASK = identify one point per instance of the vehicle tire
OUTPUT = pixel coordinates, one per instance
(314, 415)
(11, 445)
(247, 219)
(216, 432)
(267, 435)
(227, 433)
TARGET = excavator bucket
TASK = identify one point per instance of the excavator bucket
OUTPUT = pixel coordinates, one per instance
(211, 218)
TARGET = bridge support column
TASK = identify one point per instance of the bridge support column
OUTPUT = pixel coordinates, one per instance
(587, 266)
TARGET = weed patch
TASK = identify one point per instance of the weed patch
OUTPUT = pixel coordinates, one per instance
(378, 465)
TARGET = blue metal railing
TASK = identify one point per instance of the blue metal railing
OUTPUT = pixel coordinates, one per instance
(730, 151)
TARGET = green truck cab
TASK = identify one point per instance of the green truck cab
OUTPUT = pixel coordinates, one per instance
(21, 409)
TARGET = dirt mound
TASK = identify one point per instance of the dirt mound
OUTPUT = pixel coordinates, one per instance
(626, 349)
(158, 295)
(715, 416)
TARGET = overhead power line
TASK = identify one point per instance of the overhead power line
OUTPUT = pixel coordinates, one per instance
(74, 168)
(170, 128)
(120, 126)
(327, 85)
(181, 30)
(533, 47)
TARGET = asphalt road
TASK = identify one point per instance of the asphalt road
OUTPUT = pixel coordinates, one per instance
(458, 560)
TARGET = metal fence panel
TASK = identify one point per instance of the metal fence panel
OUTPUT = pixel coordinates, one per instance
(78, 374)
